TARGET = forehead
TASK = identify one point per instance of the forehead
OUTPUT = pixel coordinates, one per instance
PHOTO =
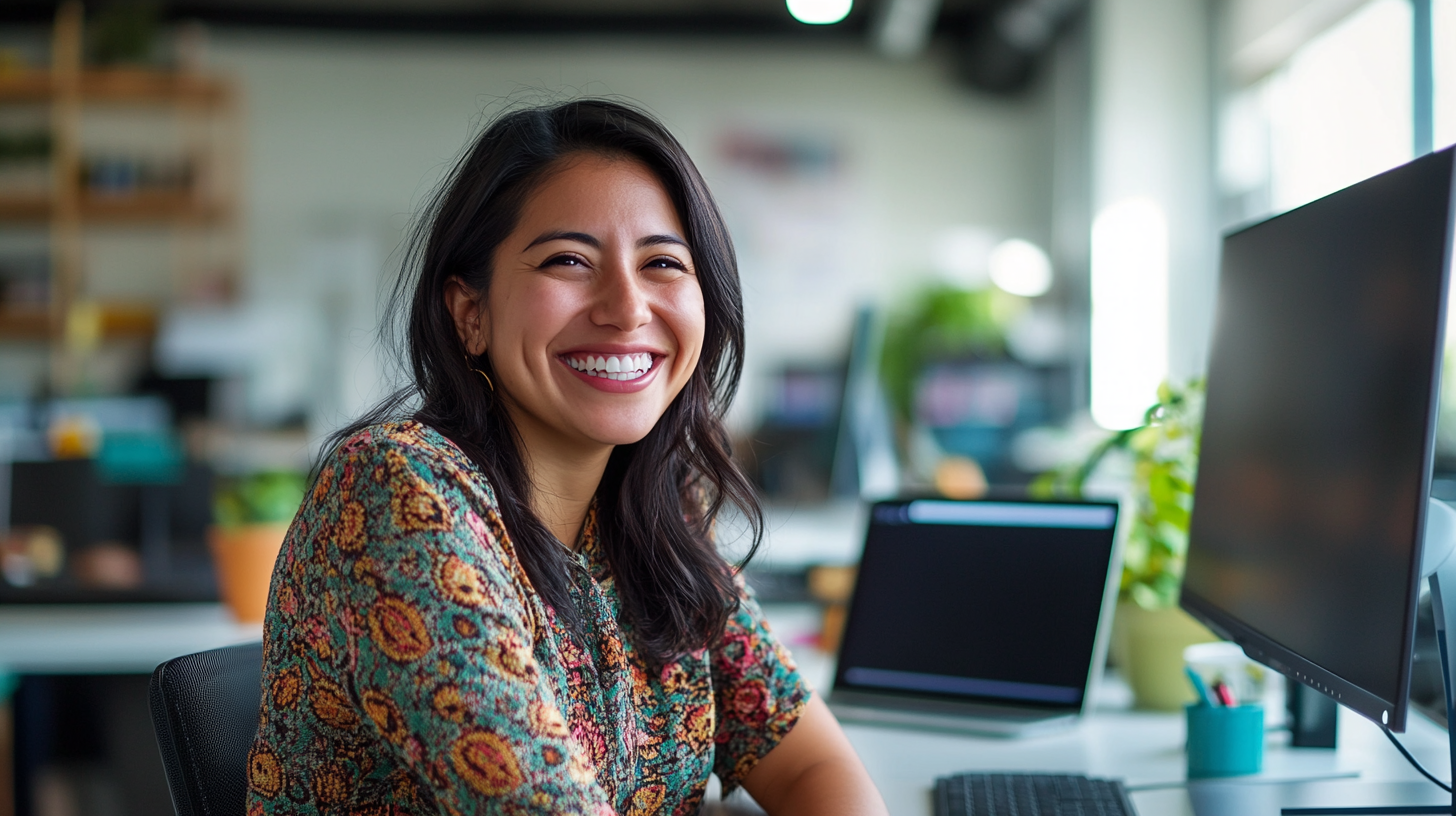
(590, 190)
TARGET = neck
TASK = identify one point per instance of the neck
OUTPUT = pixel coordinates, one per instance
(564, 477)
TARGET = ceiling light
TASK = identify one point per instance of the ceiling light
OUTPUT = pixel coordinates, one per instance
(1021, 268)
(819, 12)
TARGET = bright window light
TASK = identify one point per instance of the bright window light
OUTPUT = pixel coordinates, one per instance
(1341, 111)
(1129, 311)
(1021, 268)
(1443, 20)
(820, 12)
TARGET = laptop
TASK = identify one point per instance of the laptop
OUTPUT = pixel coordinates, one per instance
(983, 616)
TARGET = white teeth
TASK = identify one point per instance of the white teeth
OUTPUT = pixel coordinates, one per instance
(616, 367)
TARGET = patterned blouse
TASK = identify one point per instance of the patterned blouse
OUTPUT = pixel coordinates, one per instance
(410, 668)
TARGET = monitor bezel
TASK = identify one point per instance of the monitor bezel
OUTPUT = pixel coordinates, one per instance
(1393, 714)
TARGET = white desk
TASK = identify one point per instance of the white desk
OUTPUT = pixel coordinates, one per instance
(1147, 749)
(1141, 748)
(112, 639)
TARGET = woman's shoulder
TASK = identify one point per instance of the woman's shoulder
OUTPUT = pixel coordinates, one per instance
(409, 437)
(400, 479)
(424, 452)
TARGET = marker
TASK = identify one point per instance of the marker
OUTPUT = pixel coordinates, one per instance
(1204, 696)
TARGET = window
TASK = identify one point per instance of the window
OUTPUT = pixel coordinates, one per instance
(1341, 109)
(1443, 14)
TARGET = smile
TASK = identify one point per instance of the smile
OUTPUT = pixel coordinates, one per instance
(624, 367)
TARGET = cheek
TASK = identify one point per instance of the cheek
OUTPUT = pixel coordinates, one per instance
(687, 317)
(529, 314)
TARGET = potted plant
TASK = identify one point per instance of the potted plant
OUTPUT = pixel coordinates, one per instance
(1150, 631)
(251, 516)
(945, 326)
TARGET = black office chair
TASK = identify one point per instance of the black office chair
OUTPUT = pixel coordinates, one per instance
(205, 713)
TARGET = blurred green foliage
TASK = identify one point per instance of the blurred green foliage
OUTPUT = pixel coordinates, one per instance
(943, 323)
(1164, 455)
(20, 146)
(271, 497)
(125, 31)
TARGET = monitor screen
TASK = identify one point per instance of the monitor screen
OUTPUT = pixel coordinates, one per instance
(979, 601)
(1318, 434)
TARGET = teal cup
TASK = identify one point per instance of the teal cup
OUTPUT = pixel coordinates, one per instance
(1224, 740)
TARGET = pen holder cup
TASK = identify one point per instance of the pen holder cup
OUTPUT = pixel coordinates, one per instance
(1224, 741)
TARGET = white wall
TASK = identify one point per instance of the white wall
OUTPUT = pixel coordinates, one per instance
(347, 134)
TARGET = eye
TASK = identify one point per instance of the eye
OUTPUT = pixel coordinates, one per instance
(666, 262)
(565, 259)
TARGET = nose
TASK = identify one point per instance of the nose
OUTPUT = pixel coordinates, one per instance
(622, 300)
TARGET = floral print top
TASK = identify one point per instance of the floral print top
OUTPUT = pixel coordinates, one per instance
(410, 668)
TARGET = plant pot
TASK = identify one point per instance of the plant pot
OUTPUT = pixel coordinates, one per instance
(243, 557)
(1148, 644)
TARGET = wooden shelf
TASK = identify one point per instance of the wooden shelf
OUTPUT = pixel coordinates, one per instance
(118, 320)
(121, 86)
(204, 216)
(26, 86)
(128, 320)
(151, 206)
(143, 207)
(25, 208)
(25, 323)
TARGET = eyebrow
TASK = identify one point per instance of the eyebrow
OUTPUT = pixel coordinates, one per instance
(595, 243)
(562, 235)
(655, 240)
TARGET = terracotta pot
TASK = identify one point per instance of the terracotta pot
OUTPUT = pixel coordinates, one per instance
(243, 557)
(1148, 644)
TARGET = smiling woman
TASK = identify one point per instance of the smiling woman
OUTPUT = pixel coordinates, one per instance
(502, 594)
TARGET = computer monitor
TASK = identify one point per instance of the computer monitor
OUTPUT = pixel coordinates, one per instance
(1319, 427)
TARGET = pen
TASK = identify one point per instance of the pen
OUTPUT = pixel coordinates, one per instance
(1224, 694)
(1198, 685)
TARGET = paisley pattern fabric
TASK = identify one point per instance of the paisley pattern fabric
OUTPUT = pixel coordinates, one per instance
(409, 667)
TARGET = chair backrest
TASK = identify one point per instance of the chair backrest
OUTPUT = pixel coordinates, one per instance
(205, 712)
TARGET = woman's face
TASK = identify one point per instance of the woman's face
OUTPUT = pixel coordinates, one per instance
(593, 321)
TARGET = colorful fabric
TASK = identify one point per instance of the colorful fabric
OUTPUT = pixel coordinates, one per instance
(410, 668)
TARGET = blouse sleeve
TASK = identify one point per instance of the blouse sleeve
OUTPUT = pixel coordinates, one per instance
(757, 689)
(440, 640)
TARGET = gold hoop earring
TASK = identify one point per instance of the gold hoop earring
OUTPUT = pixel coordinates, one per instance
(478, 371)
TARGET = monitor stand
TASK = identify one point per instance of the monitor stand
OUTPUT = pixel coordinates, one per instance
(1438, 563)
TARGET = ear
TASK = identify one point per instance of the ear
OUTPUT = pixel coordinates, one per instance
(472, 321)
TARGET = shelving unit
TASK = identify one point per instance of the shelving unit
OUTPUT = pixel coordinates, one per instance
(203, 211)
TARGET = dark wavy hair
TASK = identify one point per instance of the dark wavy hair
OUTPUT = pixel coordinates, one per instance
(659, 497)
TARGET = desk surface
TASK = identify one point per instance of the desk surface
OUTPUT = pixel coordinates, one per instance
(113, 639)
(1145, 749)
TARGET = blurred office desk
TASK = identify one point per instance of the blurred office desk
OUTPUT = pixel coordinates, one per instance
(112, 639)
(1146, 751)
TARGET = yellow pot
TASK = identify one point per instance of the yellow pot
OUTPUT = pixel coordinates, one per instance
(1147, 645)
(243, 557)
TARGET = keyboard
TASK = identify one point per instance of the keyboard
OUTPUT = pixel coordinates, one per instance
(1025, 794)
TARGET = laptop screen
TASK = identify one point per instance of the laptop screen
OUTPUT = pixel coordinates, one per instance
(979, 601)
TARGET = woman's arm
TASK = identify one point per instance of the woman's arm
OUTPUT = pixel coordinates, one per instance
(814, 770)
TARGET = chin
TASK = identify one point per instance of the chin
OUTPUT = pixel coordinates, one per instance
(618, 432)
(620, 436)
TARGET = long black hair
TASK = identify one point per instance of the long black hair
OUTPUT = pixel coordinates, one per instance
(659, 497)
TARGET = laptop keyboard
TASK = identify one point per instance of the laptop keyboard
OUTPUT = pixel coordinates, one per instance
(1016, 794)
